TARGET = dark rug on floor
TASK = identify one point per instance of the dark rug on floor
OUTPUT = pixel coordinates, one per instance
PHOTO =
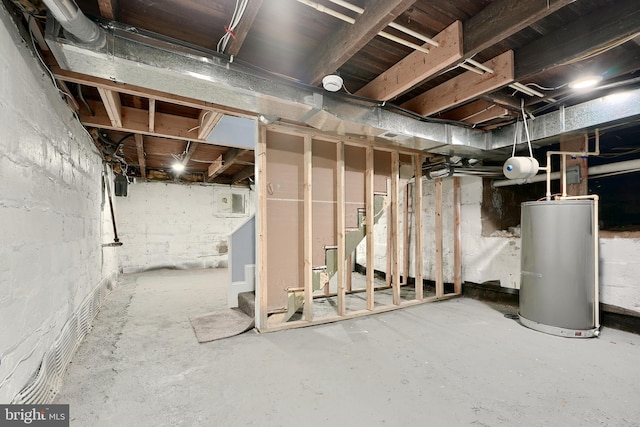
(220, 324)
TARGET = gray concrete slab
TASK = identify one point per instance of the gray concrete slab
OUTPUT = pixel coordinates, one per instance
(451, 363)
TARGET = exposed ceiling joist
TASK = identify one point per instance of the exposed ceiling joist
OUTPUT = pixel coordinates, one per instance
(579, 39)
(349, 39)
(111, 101)
(418, 66)
(225, 162)
(136, 121)
(464, 87)
(140, 150)
(193, 146)
(243, 174)
(109, 9)
(476, 112)
(152, 115)
(503, 18)
(209, 119)
(244, 26)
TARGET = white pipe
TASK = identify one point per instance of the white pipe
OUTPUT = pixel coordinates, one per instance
(528, 89)
(524, 89)
(479, 65)
(350, 20)
(399, 27)
(470, 68)
(626, 166)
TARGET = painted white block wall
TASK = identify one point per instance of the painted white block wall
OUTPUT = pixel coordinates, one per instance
(172, 225)
(51, 214)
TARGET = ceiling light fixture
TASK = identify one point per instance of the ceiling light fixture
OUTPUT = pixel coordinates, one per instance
(177, 167)
(332, 83)
(585, 82)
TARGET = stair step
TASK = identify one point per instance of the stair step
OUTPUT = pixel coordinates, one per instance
(247, 303)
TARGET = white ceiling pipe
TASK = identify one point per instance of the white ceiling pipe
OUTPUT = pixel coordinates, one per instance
(350, 20)
(69, 15)
(398, 27)
(626, 166)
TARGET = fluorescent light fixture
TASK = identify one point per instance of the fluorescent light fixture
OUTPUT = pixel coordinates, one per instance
(585, 82)
(177, 167)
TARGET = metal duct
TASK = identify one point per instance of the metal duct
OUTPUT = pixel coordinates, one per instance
(69, 15)
(130, 57)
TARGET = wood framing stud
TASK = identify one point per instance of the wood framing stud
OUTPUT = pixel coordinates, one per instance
(439, 239)
(111, 101)
(457, 242)
(395, 238)
(209, 119)
(152, 115)
(261, 231)
(308, 228)
(405, 236)
(417, 215)
(141, 159)
(417, 67)
(340, 223)
(369, 221)
(464, 87)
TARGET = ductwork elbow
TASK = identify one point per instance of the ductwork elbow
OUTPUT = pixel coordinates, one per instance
(74, 22)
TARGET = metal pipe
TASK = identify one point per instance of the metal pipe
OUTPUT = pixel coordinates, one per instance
(69, 15)
(626, 166)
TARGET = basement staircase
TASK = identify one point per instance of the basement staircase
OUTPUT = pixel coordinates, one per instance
(323, 274)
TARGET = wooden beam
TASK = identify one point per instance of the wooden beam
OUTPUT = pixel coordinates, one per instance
(457, 241)
(152, 115)
(244, 173)
(503, 18)
(464, 87)
(227, 160)
(261, 231)
(340, 225)
(241, 31)
(209, 119)
(308, 228)
(111, 101)
(141, 159)
(417, 215)
(109, 9)
(137, 121)
(578, 38)
(439, 239)
(369, 222)
(395, 241)
(417, 67)
(475, 112)
(193, 146)
(349, 39)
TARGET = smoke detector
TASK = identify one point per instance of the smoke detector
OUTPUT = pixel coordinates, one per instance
(332, 83)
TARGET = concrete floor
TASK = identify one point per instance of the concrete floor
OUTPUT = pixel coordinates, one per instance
(452, 363)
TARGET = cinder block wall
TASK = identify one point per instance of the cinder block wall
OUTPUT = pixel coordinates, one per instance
(172, 225)
(51, 214)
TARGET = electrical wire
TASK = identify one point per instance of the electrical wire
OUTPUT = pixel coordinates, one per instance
(526, 128)
(238, 11)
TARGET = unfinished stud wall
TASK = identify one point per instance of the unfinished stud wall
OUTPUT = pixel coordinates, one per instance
(51, 214)
(171, 225)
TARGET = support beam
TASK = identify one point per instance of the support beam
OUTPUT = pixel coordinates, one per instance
(193, 146)
(225, 162)
(340, 226)
(395, 238)
(209, 119)
(136, 121)
(141, 159)
(261, 230)
(111, 101)
(464, 87)
(152, 115)
(502, 19)
(417, 215)
(369, 222)
(579, 38)
(457, 242)
(244, 26)
(308, 228)
(349, 39)
(475, 112)
(417, 66)
(244, 173)
(439, 239)
(109, 9)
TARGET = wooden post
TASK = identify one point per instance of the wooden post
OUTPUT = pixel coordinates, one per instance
(457, 248)
(308, 229)
(369, 220)
(417, 215)
(261, 230)
(395, 205)
(340, 214)
(349, 271)
(405, 238)
(439, 238)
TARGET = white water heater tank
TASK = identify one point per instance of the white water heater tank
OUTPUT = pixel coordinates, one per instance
(520, 167)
